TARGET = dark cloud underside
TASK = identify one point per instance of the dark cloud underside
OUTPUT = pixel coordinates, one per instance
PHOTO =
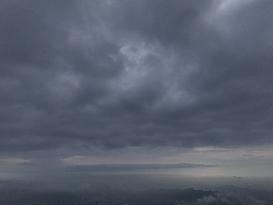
(134, 73)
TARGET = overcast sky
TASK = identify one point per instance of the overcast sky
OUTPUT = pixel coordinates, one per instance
(136, 81)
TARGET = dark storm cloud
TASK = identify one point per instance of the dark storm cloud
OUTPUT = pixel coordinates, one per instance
(121, 73)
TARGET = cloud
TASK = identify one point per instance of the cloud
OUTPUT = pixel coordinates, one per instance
(81, 74)
(13, 161)
(77, 163)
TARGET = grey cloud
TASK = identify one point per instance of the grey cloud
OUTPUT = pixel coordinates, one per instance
(77, 74)
(135, 167)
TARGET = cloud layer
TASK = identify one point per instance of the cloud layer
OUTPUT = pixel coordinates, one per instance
(105, 73)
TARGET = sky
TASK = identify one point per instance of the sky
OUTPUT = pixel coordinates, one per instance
(137, 85)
